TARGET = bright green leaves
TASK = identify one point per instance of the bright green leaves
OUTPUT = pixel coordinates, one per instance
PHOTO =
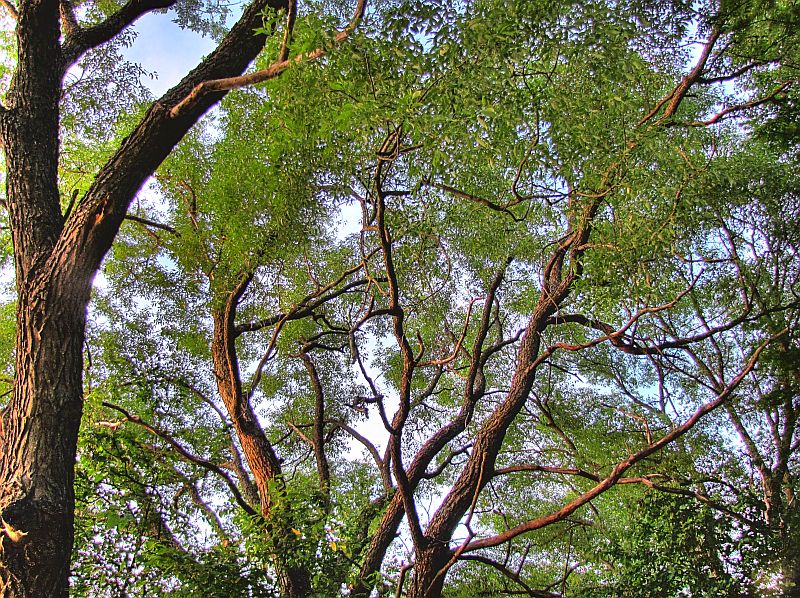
(484, 133)
(669, 545)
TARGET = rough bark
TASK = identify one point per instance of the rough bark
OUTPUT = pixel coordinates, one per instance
(38, 430)
(429, 571)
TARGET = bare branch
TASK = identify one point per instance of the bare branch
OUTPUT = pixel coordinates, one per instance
(79, 40)
(719, 116)
(447, 461)
(306, 307)
(479, 200)
(617, 337)
(10, 9)
(373, 451)
(515, 577)
(676, 96)
(731, 76)
(457, 348)
(530, 467)
(152, 224)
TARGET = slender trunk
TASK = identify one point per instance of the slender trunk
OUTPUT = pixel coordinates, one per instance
(293, 581)
(478, 471)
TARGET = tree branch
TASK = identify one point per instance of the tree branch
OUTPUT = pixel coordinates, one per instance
(10, 9)
(616, 474)
(69, 22)
(373, 451)
(271, 72)
(79, 40)
(509, 574)
(743, 106)
(318, 441)
(291, 15)
(457, 348)
(152, 224)
(306, 307)
(91, 227)
(204, 463)
(676, 96)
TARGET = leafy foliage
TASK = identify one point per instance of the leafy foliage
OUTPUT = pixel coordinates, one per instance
(528, 267)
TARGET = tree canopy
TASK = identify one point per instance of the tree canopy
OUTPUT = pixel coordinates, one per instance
(445, 299)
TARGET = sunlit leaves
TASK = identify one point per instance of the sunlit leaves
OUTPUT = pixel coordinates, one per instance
(487, 135)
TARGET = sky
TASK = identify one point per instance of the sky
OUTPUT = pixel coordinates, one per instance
(166, 49)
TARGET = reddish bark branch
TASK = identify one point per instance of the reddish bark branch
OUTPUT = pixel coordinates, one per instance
(10, 9)
(614, 477)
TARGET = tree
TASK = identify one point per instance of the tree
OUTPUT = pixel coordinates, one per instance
(57, 255)
(556, 308)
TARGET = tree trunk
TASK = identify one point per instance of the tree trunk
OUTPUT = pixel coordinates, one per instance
(429, 571)
(40, 433)
(39, 426)
(293, 581)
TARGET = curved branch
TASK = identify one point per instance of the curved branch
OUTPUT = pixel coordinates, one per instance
(743, 106)
(306, 307)
(10, 9)
(617, 337)
(509, 574)
(91, 227)
(79, 40)
(429, 475)
(150, 223)
(457, 348)
(373, 451)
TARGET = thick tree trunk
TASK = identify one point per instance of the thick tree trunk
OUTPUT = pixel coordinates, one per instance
(40, 431)
(429, 572)
(39, 427)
